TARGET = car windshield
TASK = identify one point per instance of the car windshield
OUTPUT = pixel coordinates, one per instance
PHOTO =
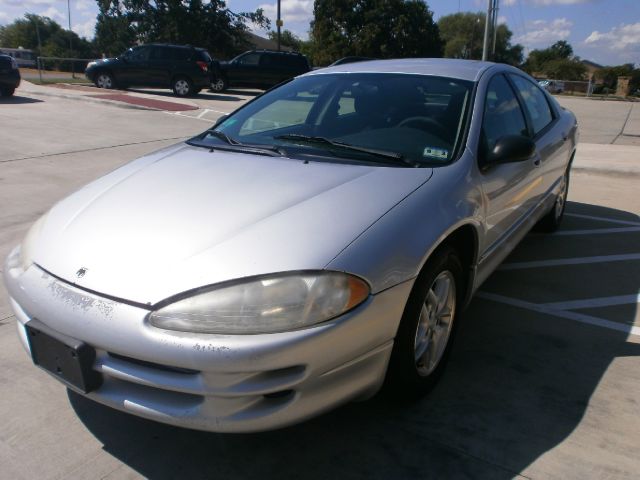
(417, 119)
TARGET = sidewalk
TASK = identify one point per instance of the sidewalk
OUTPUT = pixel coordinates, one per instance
(117, 98)
(608, 159)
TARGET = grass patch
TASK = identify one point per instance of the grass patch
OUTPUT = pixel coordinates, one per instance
(49, 81)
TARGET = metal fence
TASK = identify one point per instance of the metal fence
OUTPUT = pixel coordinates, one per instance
(55, 69)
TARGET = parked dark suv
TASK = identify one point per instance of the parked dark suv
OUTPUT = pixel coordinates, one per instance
(260, 69)
(184, 69)
(9, 75)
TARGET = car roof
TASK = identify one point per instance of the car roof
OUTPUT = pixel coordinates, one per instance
(470, 70)
(276, 52)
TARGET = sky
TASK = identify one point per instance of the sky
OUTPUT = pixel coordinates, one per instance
(602, 31)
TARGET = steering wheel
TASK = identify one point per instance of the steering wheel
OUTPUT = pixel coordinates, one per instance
(440, 130)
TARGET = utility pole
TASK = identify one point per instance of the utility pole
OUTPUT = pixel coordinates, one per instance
(35, 20)
(279, 24)
(495, 29)
(489, 27)
(73, 74)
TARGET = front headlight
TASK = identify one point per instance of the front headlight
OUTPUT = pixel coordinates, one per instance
(26, 248)
(265, 305)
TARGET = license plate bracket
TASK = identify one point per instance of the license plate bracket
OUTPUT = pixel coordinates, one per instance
(66, 358)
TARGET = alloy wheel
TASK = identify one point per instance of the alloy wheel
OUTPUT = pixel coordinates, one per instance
(104, 81)
(182, 87)
(435, 323)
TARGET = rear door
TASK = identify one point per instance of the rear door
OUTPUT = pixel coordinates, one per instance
(271, 67)
(246, 69)
(133, 70)
(551, 141)
(159, 68)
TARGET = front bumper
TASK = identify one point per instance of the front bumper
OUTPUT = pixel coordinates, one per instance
(223, 383)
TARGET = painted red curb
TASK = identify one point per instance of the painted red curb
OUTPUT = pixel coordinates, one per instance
(147, 102)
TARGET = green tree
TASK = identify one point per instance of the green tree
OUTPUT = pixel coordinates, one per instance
(565, 69)
(463, 34)
(373, 28)
(114, 33)
(54, 40)
(288, 39)
(211, 24)
(537, 59)
(22, 32)
(608, 76)
(561, 50)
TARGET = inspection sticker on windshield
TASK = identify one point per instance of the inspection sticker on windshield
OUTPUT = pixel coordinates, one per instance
(434, 152)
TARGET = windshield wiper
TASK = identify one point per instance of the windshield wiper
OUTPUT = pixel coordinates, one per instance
(395, 156)
(244, 147)
(223, 136)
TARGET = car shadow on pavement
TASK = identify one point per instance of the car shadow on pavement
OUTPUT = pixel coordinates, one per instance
(518, 384)
(246, 93)
(17, 99)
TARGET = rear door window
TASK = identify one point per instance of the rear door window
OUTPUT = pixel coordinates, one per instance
(140, 54)
(535, 102)
(250, 59)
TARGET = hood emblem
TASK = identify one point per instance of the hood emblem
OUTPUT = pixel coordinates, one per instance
(80, 273)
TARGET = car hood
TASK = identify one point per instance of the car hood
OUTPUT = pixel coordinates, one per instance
(185, 217)
(102, 61)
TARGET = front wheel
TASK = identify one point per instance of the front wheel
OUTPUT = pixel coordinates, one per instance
(182, 87)
(105, 80)
(427, 328)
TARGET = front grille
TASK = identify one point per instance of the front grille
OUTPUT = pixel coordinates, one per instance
(144, 363)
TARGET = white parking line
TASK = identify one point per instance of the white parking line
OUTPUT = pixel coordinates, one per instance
(594, 302)
(578, 317)
(570, 261)
(596, 231)
(603, 219)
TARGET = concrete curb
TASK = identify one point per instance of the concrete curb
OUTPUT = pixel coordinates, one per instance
(631, 172)
(88, 98)
(618, 160)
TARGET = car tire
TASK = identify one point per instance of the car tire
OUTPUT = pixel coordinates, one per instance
(182, 87)
(427, 329)
(220, 85)
(104, 80)
(551, 221)
(7, 92)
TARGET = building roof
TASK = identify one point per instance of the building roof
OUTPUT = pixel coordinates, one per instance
(261, 43)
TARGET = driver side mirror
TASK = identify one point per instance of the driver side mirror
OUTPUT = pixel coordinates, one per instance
(511, 149)
(220, 120)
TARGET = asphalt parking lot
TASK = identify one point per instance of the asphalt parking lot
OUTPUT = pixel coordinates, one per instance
(543, 382)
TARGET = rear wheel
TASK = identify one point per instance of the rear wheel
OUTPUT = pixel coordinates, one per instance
(182, 87)
(427, 328)
(104, 80)
(551, 221)
(219, 85)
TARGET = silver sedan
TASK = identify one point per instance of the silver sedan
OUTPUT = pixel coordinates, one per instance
(313, 247)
